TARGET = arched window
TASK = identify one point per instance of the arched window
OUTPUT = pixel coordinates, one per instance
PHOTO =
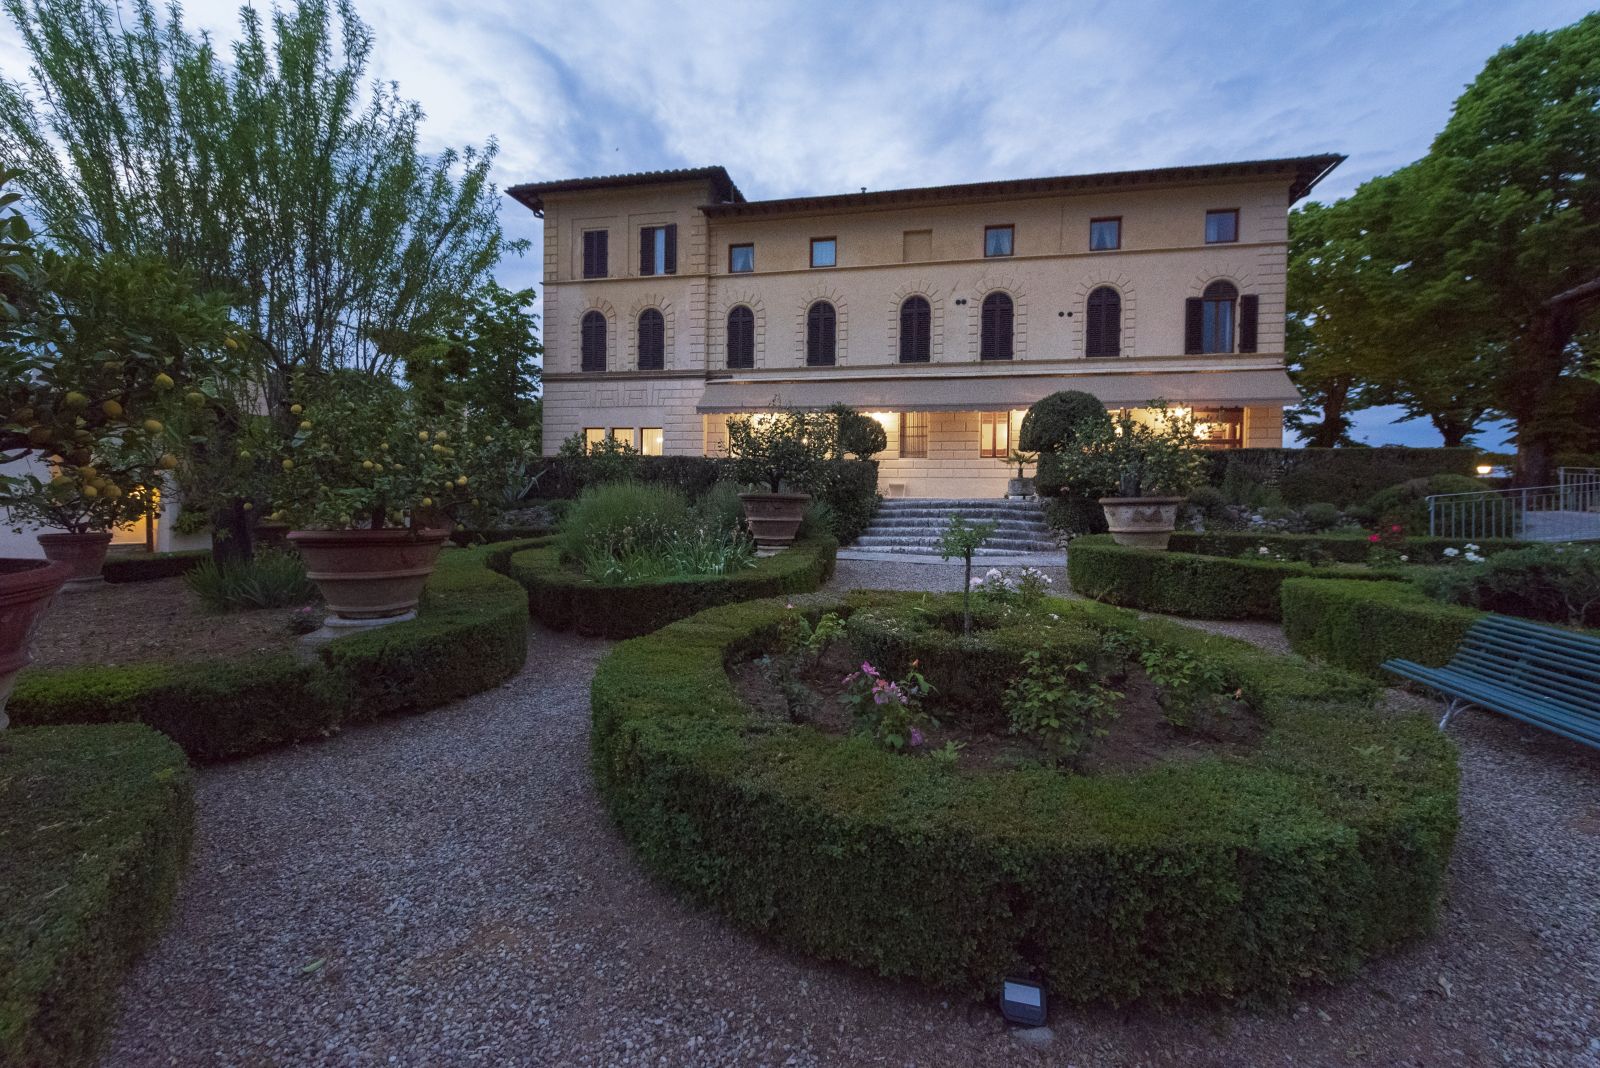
(594, 341)
(1102, 323)
(822, 327)
(994, 335)
(652, 340)
(916, 330)
(1211, 319)
(741, 337)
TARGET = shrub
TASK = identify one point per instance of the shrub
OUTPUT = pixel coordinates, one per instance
(270, 579)
(858, 435)
(145, 567)
(1552, 583)
(630, 532)
(1342, 476)
(1238, 878)
(1054, 422)
(1324, 548)
(1359, 625)
(1073, 516)
(1320, 516)
(849, 488)
(470, 634)
(563, 598)
(95, 824)
(1406, 504)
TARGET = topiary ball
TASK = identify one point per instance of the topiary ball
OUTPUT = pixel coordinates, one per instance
(1052, 424)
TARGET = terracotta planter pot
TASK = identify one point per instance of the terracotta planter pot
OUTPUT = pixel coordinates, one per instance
(1141, 522)
(84, 555)
(774, 517)
(369, 575)
(26, 589)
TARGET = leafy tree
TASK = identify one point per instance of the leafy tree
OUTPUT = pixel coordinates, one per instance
(280, 177)
(488, 363)
(784, 449)
(962, 539)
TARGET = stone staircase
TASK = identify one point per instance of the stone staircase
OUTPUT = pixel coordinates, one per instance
(913, 525)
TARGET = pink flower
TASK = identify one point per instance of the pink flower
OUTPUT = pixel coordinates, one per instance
(1395, 528)
(916, 737)
(868, 669)
(1374, 537)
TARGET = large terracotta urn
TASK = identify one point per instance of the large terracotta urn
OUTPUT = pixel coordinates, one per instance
(369, 577)
(26, 589)
(83, 554)
(1141, 522)
(774, 518)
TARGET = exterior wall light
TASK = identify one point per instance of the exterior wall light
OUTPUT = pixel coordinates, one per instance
(1485, 470)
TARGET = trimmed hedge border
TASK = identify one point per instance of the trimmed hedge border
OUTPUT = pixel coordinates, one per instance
(1202, 576)
(1234, 878)
(561, 598)
(470, 634)
(95, 826)
(146, 567)
(1359, 625)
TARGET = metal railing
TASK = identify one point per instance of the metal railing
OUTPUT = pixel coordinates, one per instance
(1567, 511)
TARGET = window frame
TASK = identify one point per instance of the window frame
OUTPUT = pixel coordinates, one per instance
(1115, 334)
(1011, 243)
(815, 266)
(590, 442)
(603, 256)
(1001, 422)
(833, 334)
(751, 245)
(1208, 328)
(643, 441)
(1224, 416)
(1105, 219)
(663, 237)
(604, 358)
(748, 361)
(921, 346)
(910, 434)
(659, 358)
(1010, 344)
(1234, 240)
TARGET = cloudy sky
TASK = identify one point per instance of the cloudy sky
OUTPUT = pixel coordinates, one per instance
(825, 97)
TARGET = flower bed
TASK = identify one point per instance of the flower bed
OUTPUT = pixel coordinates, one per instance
(562, 597)
(1217, 877)
(1204, 575)
(470, 634)
(95, 824)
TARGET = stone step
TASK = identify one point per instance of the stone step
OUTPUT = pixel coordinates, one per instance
(945, 514)
(983, 553)
(895, 522)
(930, 543)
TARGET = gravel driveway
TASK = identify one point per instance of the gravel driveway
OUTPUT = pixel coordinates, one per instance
(444, 890)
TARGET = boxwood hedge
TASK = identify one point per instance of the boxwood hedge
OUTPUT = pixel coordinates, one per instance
(470, 634)
(563, 598)
(1217, 877)
(95, 824)
(143, 567)
(1359, 625)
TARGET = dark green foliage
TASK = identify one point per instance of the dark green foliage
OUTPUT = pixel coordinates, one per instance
(1341, 477)
(144, 567)
(95, 826)
(470, 635)
(860, 435)
(1552, 583)
(1072, 515)
(270, 579)
(1406, 504)
(850, 490)
(1325, 548)
(1189, 584)
(1359, 625)
(1052, 424)
(1234, 878)
(561, 597)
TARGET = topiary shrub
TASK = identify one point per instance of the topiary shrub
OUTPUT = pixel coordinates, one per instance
(95, 825)
(1051, 425)
(1343, 476)
(1359, 625)
(1406, 504)
(147, 567)
(1238, 878)
(1551, 583)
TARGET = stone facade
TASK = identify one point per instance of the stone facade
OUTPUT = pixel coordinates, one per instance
(895, 245)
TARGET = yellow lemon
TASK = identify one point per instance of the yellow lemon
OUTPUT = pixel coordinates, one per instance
(305, 424)
(113, 492)
(367, 465)
(167, 461)
(461, 480)
(85, 471)
(377, 467)
(296, 409)
(440, 436)
(195, 399)
(422, 435)
(247, 506)
(60, 480)
(438, 448)
(427, 502)
(384, 446)
(75, 399)
(90, 491)
(153, 425)
(232, 344)
(112, 409)
(164, 381)
(288, 465)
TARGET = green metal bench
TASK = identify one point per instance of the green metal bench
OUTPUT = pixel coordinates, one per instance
(1540, 675)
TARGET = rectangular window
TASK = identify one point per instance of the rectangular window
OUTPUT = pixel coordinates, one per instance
(741, 259)
(916, 246)
(592, 436)
(994, 434)
(1222, 226)
(1105, 234)
(997, 240)
(594, 253)
(650, 441)
(824, 252)
(626, 435)
(1219, 428)
(913, 434)
(658, 250)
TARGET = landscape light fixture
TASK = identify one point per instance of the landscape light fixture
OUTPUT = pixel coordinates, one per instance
(1485, 469)
(1022, 1002)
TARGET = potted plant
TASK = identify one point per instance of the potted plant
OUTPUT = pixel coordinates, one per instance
(371, 490)
(1138, 470)
(1020, 486)
(779, 451)
(82, 504)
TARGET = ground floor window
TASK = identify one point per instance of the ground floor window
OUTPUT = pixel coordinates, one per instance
(650, 441)
(994, 434)
(913, 434)
(593, 436)
(1219, 428)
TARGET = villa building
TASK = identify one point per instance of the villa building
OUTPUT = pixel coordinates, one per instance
(671, 302)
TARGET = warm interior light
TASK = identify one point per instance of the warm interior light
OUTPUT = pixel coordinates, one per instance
(885, 418)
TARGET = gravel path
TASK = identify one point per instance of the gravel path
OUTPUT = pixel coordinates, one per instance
(445, 890)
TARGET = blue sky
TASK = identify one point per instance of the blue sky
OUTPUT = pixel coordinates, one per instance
(819, 97)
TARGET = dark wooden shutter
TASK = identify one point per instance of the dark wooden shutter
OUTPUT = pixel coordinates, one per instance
(652, 340)
(1102, 323)
(593, 341)
(742, 338)
(594, 253)
(647, 250)
(820, 334)
(1194, 319)
(672, 249)
(915, 330)
(603, 254)
(995, 332)
(1249, 313)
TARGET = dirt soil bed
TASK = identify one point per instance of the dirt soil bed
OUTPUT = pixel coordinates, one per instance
(803, 690)
(142, 622)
